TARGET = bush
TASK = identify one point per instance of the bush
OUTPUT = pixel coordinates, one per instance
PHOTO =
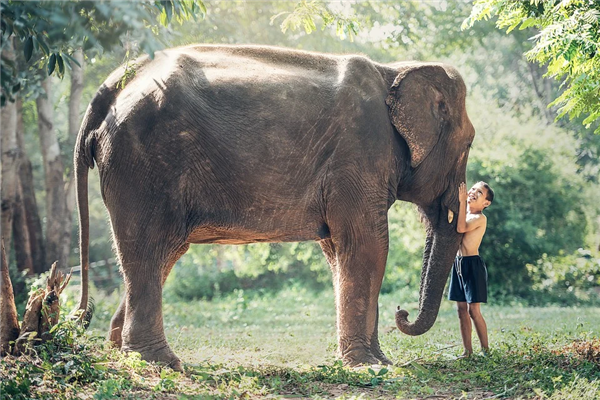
(208, 271)
(201, 282)
(567, 279)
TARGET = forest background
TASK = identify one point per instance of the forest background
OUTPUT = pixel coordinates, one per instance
(543, 240)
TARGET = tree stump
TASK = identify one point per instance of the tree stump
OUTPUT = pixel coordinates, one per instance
(43, 310)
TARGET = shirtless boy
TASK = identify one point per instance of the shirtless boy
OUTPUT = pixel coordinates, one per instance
(468, 282)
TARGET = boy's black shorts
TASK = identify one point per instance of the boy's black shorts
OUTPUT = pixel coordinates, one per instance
(468, 281)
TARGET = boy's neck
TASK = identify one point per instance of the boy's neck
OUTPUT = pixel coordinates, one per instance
(476, 211)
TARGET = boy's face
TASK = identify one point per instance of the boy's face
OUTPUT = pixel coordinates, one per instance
(476, 197)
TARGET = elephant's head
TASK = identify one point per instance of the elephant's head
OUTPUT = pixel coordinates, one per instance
(427, 107)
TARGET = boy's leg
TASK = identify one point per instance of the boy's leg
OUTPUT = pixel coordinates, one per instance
(480, 325)
(465, 326)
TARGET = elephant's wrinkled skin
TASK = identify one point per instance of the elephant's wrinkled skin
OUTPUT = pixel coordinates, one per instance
(234, 145)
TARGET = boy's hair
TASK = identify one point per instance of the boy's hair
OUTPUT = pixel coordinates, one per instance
(490, 193)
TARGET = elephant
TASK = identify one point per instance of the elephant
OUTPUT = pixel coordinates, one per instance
(247, 144)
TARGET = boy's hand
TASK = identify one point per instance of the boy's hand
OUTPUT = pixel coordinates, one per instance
(462, 192)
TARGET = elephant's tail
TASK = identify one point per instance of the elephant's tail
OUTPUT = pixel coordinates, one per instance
(83, 161)
(81, 180)
(81, 164)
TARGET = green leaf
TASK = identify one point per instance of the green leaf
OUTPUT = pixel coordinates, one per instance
(28, 50)
(51, 64)
(61, 64)
(202, 6)
(528, 23)
(419, 368)
(167, 12)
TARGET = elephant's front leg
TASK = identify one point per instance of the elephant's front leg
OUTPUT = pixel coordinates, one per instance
(361, 265)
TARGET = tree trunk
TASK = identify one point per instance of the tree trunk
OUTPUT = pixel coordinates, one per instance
(31, 212)
(10, 153)
(56, 205)
(9, 321)
(21, 234)
(20, 231)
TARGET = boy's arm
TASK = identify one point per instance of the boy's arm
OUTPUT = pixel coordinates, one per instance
(464, 225)
(461, 223)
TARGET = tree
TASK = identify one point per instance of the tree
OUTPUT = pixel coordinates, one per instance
(568, 42)
(53, 30)
(10, 157)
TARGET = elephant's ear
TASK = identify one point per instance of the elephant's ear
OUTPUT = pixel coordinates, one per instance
(418, 108)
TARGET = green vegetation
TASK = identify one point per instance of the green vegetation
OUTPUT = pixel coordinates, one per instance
(51, 31)
(257, 345)
(567, 43)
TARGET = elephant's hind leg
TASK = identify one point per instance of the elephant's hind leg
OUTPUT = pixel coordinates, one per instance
(146, 246)
(116, 323)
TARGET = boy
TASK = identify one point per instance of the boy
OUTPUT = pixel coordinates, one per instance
(468, 282)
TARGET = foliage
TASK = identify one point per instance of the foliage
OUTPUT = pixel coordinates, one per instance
(567, 278)
(306, 11)
(52, 30)
(281, 345)
(567, 42)
(407, 240)
(211, 270)
(58, 363)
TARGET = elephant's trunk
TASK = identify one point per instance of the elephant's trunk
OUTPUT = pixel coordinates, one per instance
(440, 250)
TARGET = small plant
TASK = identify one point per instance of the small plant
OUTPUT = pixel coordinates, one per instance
(168, 381)
(111, 388)
(19, 386)
(377, 377)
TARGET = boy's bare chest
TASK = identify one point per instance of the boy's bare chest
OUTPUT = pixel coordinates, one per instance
(471, 241)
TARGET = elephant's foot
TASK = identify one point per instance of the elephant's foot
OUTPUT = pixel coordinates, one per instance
(356, 352)
(376, 351)
(355, 360)
(159, 352)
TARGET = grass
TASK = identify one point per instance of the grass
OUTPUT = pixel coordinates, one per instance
(283, 346)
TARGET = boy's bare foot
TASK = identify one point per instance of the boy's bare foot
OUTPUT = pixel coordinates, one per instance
(464, 355)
